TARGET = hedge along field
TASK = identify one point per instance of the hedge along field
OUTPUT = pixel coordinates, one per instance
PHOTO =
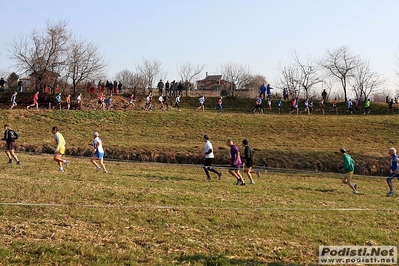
(167, 214)
(280, 141)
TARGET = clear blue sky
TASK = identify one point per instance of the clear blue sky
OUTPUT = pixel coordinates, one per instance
(259, 33)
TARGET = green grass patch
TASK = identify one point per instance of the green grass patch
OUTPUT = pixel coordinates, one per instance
(162, 214)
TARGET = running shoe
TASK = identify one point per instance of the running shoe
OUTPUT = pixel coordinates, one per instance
(390, 193)
(220, 175)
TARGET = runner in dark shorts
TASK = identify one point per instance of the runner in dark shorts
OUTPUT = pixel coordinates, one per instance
(208, 153)
(248, 161)
(10, 137)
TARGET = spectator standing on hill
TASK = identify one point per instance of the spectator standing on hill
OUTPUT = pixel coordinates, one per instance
(367, 107)
(2, 82)
(115, 87)
(235, 163)
(100, 86)
(160, 87)
(390, 107)
(13, 100)
(248, 164)
(167, 87)
(173, 88)
(180, 88)
(209, 155)
(35, 100)
(285, 94)
(120, 87)
(262, 91)
(393, 170)
(60, 149)
(324, 95)
(98, 153)
(20, 88)
(269, 91)
(201, 103)
(10, 136)
(220, 102)
(348, 168)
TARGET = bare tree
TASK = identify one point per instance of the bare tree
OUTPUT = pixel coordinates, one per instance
(42, 53)
(150, 69)
(238, 78)
(364, 81)
(126, 77)
(289, 79)
(340, 64)
(139, 82)
(307, 74)
(83, 62)
(188, 71)
(133, 81)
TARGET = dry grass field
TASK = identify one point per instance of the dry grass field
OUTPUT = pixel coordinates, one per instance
(148, 213)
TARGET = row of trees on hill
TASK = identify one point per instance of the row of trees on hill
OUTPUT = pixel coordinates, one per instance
(351, 71)
(57, 51)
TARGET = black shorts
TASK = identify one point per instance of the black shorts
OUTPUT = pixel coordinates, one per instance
(10, 146)
(249, 163)
(208, 161)
(233, 167)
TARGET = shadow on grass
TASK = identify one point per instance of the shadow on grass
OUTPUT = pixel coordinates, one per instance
(302, 188)
(163, 177)
(223, 261)
(326, 190)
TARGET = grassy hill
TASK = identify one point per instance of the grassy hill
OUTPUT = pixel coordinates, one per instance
(279, 141)
(168, 214)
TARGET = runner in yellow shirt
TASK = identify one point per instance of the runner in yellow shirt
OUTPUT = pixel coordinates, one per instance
(60, 150)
